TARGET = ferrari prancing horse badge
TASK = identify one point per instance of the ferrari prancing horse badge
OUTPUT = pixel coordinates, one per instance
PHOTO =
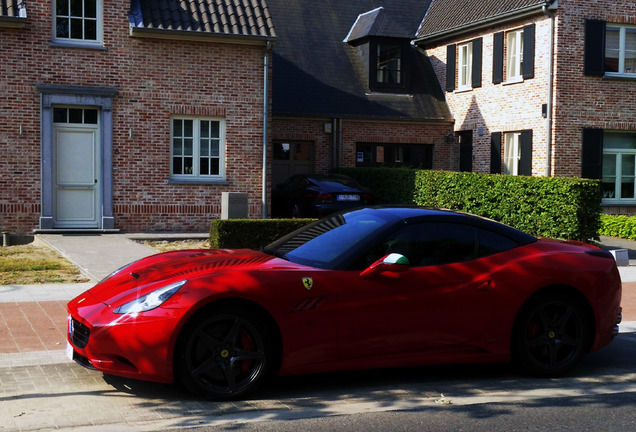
(308, 282)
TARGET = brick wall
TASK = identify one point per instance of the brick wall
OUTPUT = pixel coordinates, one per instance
(154, 80)
(500, 107)
(354, 131)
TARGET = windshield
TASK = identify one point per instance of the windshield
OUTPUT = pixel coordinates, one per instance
(328, 242)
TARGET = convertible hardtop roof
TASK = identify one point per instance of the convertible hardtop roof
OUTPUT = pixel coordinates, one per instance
(414, 214)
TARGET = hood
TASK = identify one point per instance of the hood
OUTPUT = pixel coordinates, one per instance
(164, 268)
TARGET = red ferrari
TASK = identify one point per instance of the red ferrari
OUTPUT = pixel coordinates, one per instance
(368, 288)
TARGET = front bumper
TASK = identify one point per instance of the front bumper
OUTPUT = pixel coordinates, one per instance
(137, 346)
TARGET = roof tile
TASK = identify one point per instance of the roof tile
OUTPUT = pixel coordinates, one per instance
(227, 17)
(446, 15)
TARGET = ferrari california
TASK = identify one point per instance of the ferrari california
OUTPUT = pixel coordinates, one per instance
(368, 288)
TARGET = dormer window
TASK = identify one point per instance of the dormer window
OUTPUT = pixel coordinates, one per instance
(389, 63)
(386, 64)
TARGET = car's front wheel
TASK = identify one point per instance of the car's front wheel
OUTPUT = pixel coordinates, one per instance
(552, 334)
(225, 354)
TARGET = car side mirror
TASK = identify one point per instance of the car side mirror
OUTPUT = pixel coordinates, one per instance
(395, 263)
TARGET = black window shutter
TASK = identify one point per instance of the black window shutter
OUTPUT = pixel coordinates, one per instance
(451, 60)
(528, 51)
(498, 58)
(594, 47)
(525, 164)
(476, 72)
(495, 153)
(592, 154)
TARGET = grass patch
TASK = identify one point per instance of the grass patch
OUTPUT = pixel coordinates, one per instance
(32, 264)
(169, 245)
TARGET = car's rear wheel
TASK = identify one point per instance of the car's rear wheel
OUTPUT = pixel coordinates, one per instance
(296, 211)
(225, 354)
(552, 334)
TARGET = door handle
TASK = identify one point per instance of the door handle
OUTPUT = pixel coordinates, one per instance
(485, 285)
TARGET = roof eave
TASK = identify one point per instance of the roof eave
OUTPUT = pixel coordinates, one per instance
(479, 25)
(186, 35)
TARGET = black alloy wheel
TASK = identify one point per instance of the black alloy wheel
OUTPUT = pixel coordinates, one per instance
(225, 355)
(552, 335)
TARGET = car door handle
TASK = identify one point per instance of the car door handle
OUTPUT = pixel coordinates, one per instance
(485, 285)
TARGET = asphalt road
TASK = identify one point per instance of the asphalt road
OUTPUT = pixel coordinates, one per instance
(601, 391)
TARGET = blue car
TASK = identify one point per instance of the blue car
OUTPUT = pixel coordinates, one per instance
(317, 195)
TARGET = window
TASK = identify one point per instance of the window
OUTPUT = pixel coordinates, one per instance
(517, 152)
(389, 63)
(620, 50)
(75, 115)
(514, 55)
(619, 167)
(77, 22)
(468, 65)
(394, 155)
(512, 153)
(197, 148)
(465, 66)
(517, 55)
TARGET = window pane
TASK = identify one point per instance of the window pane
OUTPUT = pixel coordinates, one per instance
(302, 151)
(177, 128)
(62, 27)
(630, 51)
(215, 129)
(188, 128)
(204, 166)
(76, 8)
(177, 167)
(77, 28)
(214, 167)
(281, 151)
(177, 147)
(61, 7)
(90, 30)
(216, 149)
(90, 116)
(90, 8)
(205, 129)
(612, 36)
(187, 165)
(627, 176)
(75, 115)
(188, 146)
(59, 115)
(204, 151)
(389, 63)
(619, 140)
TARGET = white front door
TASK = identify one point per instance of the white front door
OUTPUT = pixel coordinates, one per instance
(76, 173)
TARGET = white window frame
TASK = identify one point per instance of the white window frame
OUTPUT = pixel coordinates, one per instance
(465, 66)
(618, 174)
(197, 140)
(514, 56)
(624, 70)
(81, 42)
(512, 152)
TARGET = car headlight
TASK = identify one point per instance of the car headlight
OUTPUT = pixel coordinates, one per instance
(151, 300)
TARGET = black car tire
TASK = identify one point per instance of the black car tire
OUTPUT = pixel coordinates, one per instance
(552, 334)
(224, 355)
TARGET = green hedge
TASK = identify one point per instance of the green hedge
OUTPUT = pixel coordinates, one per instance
(544, 206)
(618, 226)
(250, 233)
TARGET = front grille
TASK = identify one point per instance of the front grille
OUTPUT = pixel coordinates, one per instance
(79, 333)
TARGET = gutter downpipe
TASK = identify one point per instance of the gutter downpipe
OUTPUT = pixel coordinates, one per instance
(268, 48)
(548, 142)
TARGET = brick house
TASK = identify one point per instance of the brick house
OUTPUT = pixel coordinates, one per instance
(132, 115)
(541, 87)
(349, 89)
